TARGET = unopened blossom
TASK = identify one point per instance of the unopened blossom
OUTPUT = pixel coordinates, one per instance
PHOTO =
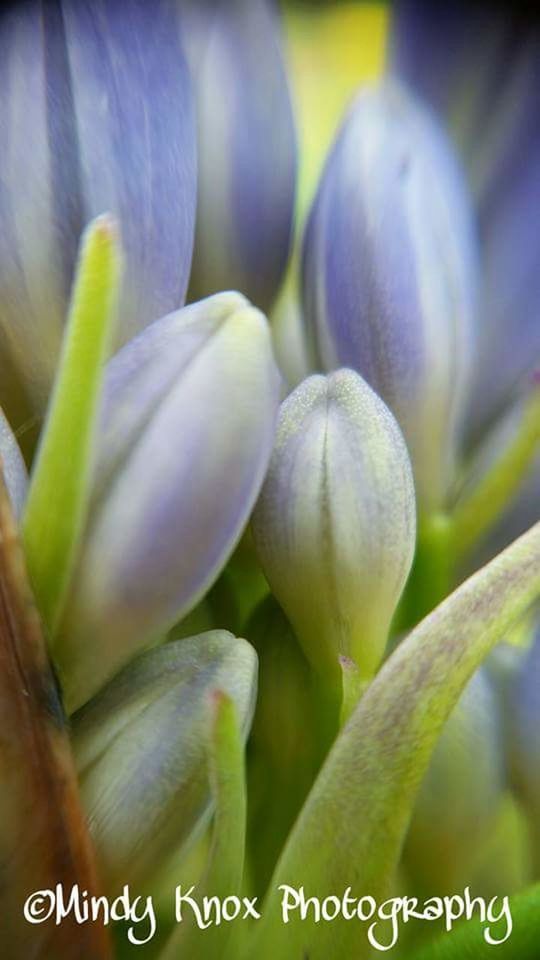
(187, 429)
(334, 525)
(388, 273)
(246, 148)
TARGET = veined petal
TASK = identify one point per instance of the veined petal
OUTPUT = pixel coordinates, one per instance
(388, 274)
(136, 133)
(96, 115)
(188, 424)
(246, 152)
(141, 748)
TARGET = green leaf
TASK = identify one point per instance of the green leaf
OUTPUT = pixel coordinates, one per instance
(224, 872)
(351, 829)
(58, 495)
(467, 942)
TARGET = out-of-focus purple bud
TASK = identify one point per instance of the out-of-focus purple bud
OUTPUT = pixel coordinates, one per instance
(334, 525)
(141, 748)
(460, 794)
(96, 115)
(524, 741)
(388, 273)
(479, 66)
(187, 429)
(13, 467)
(246, 150)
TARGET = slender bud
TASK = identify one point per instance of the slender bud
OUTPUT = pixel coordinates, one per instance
(245, 202)
(141, 750)
(187, 430)
(334, 526)
(388, 273)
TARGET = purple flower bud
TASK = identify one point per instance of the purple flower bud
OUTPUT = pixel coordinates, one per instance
(187, 430)
(96, 115)
(479, 66)
(335, 526)
(388, 273)
(247, 151)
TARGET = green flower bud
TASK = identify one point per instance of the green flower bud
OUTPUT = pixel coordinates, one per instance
(334, 526)
(141, 750)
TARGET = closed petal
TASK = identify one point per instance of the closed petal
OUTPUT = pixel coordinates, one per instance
(247, 152)
(141, 749)
(479, 66)
(334, 525)
(388, 274)
(188, 423)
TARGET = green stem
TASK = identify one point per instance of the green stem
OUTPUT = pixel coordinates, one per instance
(476, 514)
(59, 491)
(467, 941)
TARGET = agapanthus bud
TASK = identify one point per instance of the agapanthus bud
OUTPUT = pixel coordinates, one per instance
(96, 115)
(187, 430)
(460, 794)
(478, 64)
(246, 151)
(141, 750)
(335, 523)
(12, 465)
(388, 273)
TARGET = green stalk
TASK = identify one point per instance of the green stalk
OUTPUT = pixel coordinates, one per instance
(477, 513)
(467, 941)
(59, 491)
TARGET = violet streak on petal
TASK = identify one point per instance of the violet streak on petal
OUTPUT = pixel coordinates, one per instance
(96, 115)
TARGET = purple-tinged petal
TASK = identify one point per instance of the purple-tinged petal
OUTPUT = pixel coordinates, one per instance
(246, 152)
(136, 134)
(187, 430)
(96, 115)
(334, 526)
(388, 273)
(13, 467)
(479, 66)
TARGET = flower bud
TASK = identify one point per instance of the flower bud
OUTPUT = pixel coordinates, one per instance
(141, 750)
(388, 273)
(334, 526)
(186, 434)
(478, 65)
(13, 467)
(245, 201)
(461, 793)
(96, 115)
